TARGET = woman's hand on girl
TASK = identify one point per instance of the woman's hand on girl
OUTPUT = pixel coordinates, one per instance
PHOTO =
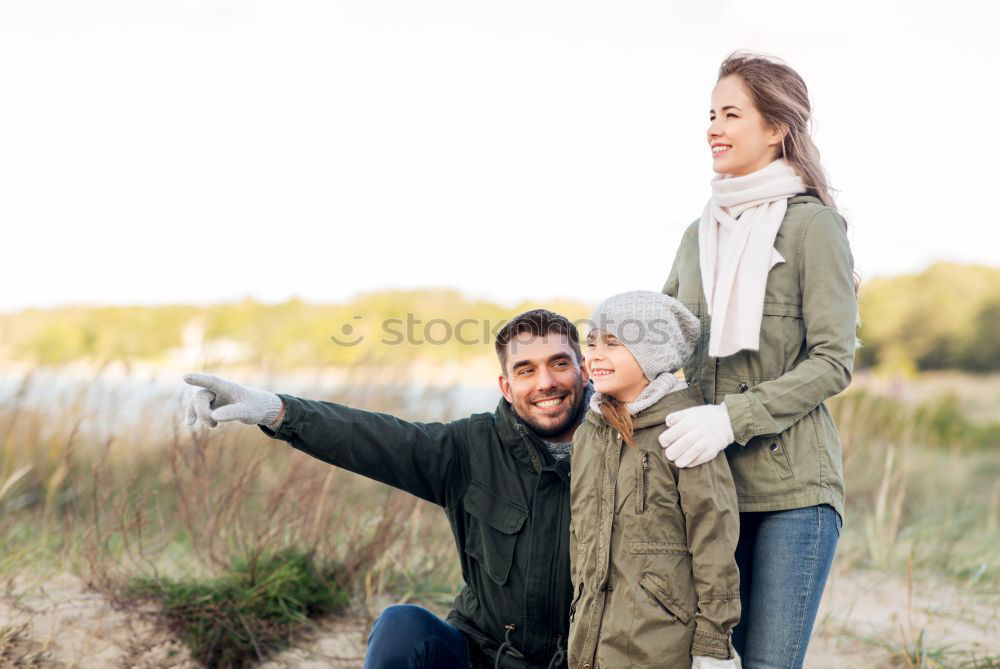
(696, 435)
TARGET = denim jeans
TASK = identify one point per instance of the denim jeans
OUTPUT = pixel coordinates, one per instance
(411, 637)
(784, 559)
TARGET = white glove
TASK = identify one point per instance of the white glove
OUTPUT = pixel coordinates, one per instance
(696, 435)
(703, 662)
(221, 400)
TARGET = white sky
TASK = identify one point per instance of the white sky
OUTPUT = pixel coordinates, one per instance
(200, 151)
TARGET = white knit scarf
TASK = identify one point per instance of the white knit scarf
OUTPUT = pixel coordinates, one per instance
(736, 250)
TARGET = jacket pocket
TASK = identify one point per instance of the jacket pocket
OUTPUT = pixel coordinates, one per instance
(782, 309)
(779, 456)
(493, 527)
(656, 588)
(782, 336)
(661, 631)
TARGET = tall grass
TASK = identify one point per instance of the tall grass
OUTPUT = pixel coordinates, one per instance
(192, 518)
(245, 528)
(921, 490)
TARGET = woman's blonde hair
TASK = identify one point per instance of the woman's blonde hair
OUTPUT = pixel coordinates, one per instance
(781, 96)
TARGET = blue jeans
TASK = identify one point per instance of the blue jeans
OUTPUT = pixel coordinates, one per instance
(784, 559)
(411, 637)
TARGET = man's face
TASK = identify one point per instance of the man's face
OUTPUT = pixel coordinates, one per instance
(544, 382)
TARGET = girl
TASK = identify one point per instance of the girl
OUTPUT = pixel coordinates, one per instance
(768, 270)
(651, 546)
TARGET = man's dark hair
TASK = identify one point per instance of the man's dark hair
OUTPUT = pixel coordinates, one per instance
(537, 322)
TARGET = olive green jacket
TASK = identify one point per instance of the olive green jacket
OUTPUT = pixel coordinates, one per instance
(787, 452)
(651, 548)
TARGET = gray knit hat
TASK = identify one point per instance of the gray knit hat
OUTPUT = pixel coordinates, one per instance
(658, 331)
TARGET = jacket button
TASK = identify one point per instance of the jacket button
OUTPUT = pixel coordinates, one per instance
(744, 387)
(774, 447)
(743, 435)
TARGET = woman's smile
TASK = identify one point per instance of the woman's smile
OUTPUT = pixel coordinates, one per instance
(719, 149)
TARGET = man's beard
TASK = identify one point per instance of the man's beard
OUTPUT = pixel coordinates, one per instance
(546, 431)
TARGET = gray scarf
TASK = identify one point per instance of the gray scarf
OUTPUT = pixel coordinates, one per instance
(660, 387)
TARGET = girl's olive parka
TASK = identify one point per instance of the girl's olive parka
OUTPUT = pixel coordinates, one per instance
(651, 548)
(787, 453)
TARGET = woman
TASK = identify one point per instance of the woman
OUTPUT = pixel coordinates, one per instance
(651, 545)
(768, 270)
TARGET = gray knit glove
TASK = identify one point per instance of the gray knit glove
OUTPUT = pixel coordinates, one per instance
(220, 401)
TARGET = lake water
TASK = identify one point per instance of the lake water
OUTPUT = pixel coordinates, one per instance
(114, 403)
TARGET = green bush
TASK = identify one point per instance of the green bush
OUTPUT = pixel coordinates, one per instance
(250, 611)
(945, 317)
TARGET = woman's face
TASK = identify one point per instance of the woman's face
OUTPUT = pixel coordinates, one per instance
(740, 139)
(612, 368)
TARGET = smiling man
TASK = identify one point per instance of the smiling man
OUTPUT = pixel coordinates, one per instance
(502, 478)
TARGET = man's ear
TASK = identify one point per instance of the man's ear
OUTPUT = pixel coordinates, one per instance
(505, 388)
(584, 373)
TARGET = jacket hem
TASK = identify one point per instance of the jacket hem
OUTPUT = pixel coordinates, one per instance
(786, 502)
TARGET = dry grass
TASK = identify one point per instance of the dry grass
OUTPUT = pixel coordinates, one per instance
(116, 498)
(183, 510)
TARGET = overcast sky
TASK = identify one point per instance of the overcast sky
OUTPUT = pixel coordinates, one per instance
(200, 151)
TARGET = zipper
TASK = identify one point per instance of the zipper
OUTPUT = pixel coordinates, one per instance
(553, 614)
(576, 600)
(643, 483)
(537, 460)
(715, 385)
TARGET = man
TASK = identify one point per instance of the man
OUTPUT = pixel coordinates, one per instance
(502, 479)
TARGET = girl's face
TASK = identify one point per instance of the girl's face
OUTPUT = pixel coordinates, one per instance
(612, 368)
(740, 139)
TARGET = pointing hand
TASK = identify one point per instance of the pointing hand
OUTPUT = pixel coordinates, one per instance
(220, 400)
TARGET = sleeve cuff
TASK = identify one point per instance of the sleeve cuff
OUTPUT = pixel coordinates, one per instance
(741, 416)
(282, 430)
(710, 644)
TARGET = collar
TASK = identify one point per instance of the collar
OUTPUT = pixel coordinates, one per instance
(662, 385)
(514, 432)
(684, 398)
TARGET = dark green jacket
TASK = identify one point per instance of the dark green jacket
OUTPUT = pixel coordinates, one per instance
(506, 498)
(787, 453)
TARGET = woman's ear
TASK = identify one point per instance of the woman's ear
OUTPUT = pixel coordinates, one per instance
(777, 136)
